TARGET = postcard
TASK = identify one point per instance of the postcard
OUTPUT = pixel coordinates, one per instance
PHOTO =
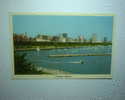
(62, 45)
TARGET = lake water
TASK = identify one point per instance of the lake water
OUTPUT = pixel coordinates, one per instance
(91, 65)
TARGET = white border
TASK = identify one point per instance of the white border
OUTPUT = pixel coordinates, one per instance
(59, 76)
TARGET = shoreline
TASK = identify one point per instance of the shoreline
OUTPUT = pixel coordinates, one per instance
(50, 48)
(51, 71)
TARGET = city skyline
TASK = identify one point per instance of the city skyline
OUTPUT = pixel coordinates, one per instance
(75, 26)
(59, 38)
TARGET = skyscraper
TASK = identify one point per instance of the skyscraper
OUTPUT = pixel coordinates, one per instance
(94, 37)
(105, 39)
(65, 35)
(81, 38)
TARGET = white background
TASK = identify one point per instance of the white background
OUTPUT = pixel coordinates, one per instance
(86, 89)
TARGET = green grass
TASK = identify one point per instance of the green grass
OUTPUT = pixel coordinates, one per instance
(51, 45)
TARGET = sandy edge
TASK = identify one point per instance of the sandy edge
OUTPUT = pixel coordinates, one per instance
(51, 71)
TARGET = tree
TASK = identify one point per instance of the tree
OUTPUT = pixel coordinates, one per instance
(22, 66)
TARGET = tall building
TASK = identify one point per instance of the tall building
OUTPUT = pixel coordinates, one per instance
(81, 38)
(55, 39)
(65, 35)
(42, 38)
(62, 39)
(105, 39)
(94, 38)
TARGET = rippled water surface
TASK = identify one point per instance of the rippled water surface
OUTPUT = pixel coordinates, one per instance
(90, 65)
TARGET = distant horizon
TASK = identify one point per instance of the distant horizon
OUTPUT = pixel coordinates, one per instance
(58, 34)
(75, 26)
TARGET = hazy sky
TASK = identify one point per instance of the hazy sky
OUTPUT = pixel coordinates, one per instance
(73, 25)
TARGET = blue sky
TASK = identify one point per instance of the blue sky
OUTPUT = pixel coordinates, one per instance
(75, 26)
